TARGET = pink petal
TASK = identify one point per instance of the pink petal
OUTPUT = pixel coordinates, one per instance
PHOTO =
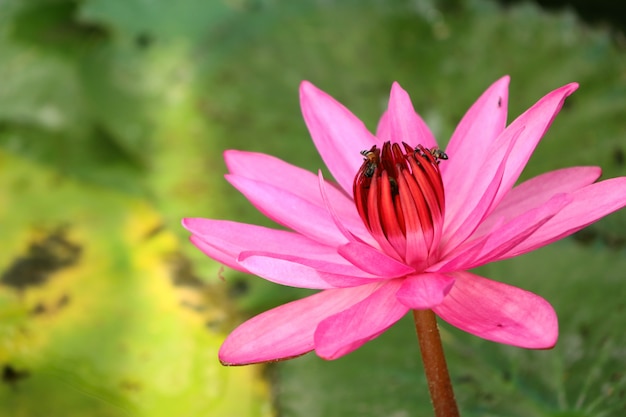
(280, 174)
(494, 245)
(474, 137)
(471, 204)
(349, 329)
(338, 134)
(423, 291)
(300, 182)
(287, 331)
(272, 170)
(499, 312)
(215, 253)
(513, 147)
(373, 260)
(400, 123)
(358, 232)
(589, 205)
(536, 191)
(302, 272)
(535, 122)
(290, 210)
(224, 240)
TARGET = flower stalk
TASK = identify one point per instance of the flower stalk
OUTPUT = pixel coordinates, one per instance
(435, 367)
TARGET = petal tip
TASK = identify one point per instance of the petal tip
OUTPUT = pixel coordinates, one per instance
(395, 86)
(307, 87)
(230, 359)
(401, 95)
(229, 154)
(188, 223)
(505, 80)
(566, 90)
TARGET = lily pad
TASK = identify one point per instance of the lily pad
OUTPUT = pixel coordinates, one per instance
(101, 313)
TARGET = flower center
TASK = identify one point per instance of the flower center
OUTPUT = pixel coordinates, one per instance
(399, 196)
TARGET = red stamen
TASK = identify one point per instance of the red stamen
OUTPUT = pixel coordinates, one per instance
(400, 198)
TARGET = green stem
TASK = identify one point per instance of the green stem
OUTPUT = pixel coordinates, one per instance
(435, 367)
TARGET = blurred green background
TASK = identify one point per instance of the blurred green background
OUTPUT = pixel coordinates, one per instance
(113, 118)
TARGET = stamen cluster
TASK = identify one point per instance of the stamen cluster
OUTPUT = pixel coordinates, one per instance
(399, 195)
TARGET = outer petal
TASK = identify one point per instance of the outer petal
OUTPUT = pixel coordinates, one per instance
(349, 329)
(303, 272)
(280, 174)
(290, 210)
(423, 291)
(535, 122)
(338, 134)
(224, 240)
(274, 171)
(401, 123)
(513, 147)
(590, 204)
(303, 184)
(287, 331)
(536, 191)
(217, 254)
(494, 245)
(499, 312)
(475, 133)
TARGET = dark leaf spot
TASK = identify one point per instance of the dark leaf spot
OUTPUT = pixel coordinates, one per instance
(38, 309)
(63, 301)
(43, 258)
(11, 376)
(182, 273)
(238, 288)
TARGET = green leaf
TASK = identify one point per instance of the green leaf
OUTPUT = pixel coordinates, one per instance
(73, 101)
(100, 313)
(186, 19)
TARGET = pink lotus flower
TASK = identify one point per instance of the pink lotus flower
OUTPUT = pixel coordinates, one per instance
(402, 227)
